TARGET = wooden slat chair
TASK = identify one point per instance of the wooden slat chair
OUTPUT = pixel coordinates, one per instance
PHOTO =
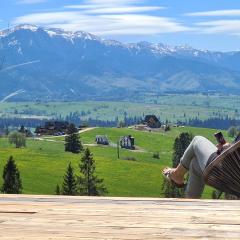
(223, 173)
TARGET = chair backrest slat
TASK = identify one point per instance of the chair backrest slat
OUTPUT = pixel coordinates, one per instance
(224, 172)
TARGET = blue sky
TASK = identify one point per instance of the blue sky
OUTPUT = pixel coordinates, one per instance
(205, 24)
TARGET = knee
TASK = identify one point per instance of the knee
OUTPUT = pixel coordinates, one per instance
(196, 138)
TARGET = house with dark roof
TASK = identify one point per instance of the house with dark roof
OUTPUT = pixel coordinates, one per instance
(53, 128)
(152, 121)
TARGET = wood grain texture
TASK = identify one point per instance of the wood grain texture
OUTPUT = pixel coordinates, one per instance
(58, 217)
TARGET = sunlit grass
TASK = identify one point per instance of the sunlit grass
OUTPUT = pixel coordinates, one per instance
(42, 164)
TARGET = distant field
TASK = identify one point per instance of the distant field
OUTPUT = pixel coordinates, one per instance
(171, 107)
(42, 164)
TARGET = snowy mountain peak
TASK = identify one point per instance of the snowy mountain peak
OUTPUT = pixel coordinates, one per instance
(71, 36)
(30, 27)
(6, 32)
(52, 32)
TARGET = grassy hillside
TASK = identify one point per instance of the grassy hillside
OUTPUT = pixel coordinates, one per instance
(43, 163)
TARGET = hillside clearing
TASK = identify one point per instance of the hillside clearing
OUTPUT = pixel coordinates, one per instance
(42, 164)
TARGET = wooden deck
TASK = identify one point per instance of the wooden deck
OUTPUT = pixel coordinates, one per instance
(53, 217)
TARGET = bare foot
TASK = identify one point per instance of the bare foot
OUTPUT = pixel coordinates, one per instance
(173, 175)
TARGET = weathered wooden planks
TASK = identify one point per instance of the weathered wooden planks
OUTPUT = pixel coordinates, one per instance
(52, 217)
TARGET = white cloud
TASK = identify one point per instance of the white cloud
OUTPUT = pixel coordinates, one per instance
(107, 17)
(220, 26)
(125, 9)
(226, 25)
(111, 24)
(47, 18)
(217, 13)
(93, 4)
(113, 2)
(30, 1)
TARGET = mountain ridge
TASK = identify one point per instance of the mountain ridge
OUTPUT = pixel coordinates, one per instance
(64, 65)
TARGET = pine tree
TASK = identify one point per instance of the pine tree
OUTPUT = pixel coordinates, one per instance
(89, 183)
(58, 190)
(180, 145)
(72, 140)
(12, 183)
(69, 186)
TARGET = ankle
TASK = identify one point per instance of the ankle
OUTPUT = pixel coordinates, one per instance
(179, 172)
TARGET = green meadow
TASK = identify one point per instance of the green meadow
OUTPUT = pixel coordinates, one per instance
(171, 107)
(43, 163)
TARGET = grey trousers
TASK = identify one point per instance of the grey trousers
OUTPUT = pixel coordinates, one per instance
(195, 159)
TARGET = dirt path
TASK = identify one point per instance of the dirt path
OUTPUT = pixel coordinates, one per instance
(48, 138)
(87, 129)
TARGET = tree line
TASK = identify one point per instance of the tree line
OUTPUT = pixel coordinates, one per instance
(216, 123)
(6, 123)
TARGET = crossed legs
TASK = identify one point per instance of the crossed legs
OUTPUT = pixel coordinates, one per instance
(194, 161)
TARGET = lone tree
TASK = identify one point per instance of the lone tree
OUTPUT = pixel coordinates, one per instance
(180, 145)
(58, 190)
(69, 186)
(72, 140)
(89, 183)
(12, 183)
(18, 139)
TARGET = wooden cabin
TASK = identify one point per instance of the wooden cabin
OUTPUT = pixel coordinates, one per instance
(127, 142)
(152, 121)
(103, 140)
(53, 128)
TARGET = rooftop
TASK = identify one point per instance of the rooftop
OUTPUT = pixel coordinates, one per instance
(61, 217)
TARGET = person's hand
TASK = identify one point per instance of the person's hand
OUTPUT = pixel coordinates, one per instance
(226, 145)
(222, 147)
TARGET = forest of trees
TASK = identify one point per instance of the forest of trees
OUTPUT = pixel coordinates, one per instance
(219, 123)
(6, 123)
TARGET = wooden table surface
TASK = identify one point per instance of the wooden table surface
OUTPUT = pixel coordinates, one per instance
(58, 217)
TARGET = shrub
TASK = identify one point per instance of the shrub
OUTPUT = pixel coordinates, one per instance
(18, 139)
(130, 158)
(156, 155)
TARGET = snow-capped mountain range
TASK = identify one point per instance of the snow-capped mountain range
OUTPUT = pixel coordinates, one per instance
(53, 64)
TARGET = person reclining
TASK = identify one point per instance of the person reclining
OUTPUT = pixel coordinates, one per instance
(198, 155)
